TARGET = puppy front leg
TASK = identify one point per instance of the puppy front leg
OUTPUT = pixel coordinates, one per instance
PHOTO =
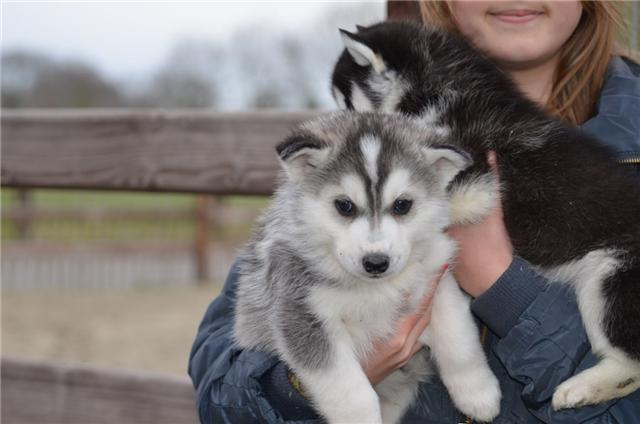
(455, 343)
(398, 390)
(341, 391)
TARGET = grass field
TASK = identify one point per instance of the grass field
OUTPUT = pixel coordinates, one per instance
(73, 199)
(149, 329)
(122, 230)
(70, 199)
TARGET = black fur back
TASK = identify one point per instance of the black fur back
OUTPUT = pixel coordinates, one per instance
(564, 195)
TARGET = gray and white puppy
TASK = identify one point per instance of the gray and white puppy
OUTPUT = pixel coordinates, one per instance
(353, 236)
(569, 208)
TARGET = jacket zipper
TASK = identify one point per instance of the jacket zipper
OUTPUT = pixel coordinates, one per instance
(634, 160)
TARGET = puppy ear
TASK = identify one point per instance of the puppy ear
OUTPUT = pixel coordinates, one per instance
(360, 52)
(361, 28)
(447, 161)
(300, 153)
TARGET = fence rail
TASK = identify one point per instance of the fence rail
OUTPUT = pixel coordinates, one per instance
(181, 151)
(47, 392)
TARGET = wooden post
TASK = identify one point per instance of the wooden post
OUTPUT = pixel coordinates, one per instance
(202, 236)
(400, 10)
(23, 224)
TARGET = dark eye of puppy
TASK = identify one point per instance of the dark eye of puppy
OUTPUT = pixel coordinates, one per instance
(402, 206)
(345, 207)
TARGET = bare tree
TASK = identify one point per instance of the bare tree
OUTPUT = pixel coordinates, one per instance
(171, 89)
(184, 81)
(73, 84)
(32, 80)
(20, 69)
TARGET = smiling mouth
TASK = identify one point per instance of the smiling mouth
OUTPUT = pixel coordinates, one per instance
(516, 16)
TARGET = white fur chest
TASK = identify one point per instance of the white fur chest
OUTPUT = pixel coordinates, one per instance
(362, 313)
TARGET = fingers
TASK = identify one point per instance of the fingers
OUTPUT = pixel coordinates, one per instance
(408, 322)
(415, 349)
(393, 353)
(493, 162)
(428, 297)
(417, 326)
(491, 158)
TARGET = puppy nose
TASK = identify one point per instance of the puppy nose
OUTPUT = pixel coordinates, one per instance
(375, 263)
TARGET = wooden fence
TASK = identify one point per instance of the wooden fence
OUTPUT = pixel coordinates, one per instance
(196, 152)
(177, 244)
(47, 392)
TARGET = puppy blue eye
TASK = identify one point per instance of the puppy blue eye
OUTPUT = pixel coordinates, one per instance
(345, 207)
(402, 206)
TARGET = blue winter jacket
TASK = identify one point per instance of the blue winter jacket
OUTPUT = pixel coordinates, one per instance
(535, 341)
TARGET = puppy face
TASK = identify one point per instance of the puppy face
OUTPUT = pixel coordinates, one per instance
(370, 73)
(376, 200)
(393, 66)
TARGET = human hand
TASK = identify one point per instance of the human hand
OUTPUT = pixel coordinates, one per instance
(484, 249)
(391, 354)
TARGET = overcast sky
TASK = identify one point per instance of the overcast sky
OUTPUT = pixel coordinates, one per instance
(134, 37)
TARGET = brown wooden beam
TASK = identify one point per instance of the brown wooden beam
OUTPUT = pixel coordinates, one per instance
(181, 151)
(44, 392)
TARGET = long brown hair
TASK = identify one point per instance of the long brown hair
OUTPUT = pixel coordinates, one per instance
(583, 58)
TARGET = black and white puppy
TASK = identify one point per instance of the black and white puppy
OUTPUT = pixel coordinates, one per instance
(570, 210)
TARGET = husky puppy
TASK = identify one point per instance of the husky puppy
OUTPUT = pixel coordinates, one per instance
(353, 235)
(570, 210)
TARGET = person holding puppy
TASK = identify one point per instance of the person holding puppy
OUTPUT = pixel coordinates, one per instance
(561, 55)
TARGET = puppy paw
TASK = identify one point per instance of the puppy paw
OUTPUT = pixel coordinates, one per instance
(477, 396)
(608, 380)
(471, 201)
(574, 393)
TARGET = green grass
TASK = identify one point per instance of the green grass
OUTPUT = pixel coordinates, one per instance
(74, 199)
(78, 199)
(106, 231)
(124, 230)
(253, 202)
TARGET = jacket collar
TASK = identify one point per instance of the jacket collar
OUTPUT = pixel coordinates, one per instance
(617, 123)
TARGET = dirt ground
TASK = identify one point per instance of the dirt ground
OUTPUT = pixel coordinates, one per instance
(143, 329)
